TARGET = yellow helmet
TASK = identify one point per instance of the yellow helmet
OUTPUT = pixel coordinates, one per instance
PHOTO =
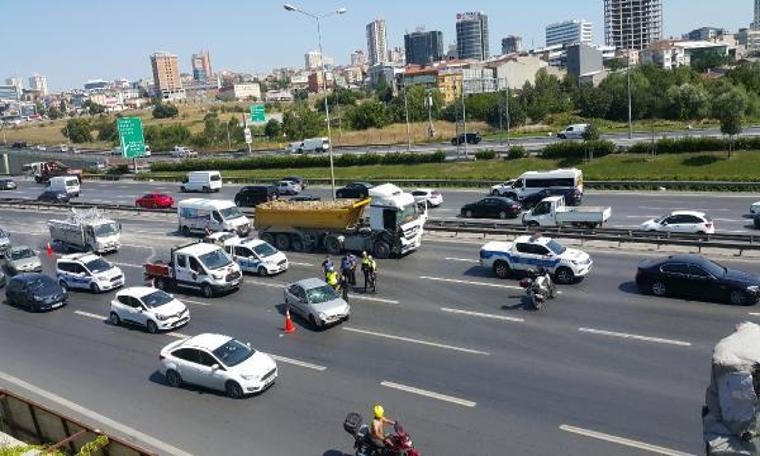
(379, 411)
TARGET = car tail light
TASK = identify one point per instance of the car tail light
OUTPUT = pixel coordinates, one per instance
(708, 225)
(161, 357)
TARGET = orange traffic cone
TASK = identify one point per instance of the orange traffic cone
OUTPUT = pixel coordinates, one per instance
(289, 326)
(49, 250)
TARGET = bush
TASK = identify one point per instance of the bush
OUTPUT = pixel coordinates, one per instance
(517, 152)
(300, 161)
(485, 155)
(164, 111)
(694, 144)
(578, 150)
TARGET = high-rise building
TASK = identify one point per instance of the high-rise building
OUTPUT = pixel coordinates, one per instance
(423, 48)
(312, 60)
(511, 44)
(358, 58)
(16, 82)
(38, 82)
(377, 42)
(632, 24)
(166, 78)
(756, 23)
(472, 36)
(396, 55)
(201, 63)
(569, 32)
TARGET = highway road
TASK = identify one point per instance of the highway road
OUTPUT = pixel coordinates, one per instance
(629, 209)
(443, 345)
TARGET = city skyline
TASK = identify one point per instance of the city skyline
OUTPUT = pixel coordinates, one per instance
(111, 57)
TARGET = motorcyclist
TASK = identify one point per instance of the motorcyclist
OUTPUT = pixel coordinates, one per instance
(348, 267)
(543, 282)
(377, 429)
(369, 266)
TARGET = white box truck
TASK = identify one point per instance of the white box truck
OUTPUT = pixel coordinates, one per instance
(86, 230)
(201, 214)
(552, 211)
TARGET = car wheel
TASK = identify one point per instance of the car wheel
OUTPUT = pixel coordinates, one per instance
(185, 230)
(94, 288)
(207, 291)
(533, 224)
(501, 269)
(262, 271)
(313, 322)
(182, 189)
(64, 285)
(151, 326)
(565, 275)
(114, 319)
(173, 378)
(233, 390)
(468, 214)
(658, 289)
(738, 298)
(495, 192)
(502, 215)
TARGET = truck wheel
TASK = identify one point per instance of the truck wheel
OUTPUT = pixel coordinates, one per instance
(332, 245)
(501, 269)
(207, 291)
(185, 230)
(382, 249)
(162, 284)
(296, 243)
(267, 237)
(283, 242)
(564, 275)
(533, 224)
(206, 190)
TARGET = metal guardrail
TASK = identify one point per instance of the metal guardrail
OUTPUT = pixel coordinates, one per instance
(739, 242)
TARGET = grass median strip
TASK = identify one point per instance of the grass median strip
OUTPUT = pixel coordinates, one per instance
(621, 335)
(430, 394)
(415, 341)
(482, 315)
(623, 441)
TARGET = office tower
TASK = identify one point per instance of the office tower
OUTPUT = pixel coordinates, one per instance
(632, 24)
(201, 64)
(377, 42)
(423, 48)
(569, 32)
(166, 79)
(39, 82)
(511, 44)
(472, 36)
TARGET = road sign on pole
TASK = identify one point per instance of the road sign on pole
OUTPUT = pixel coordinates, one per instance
(258, 113)
(131, 137)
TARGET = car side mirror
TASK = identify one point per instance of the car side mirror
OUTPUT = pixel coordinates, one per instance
(215, 367)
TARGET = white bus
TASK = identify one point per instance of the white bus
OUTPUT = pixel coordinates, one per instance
(534, 181)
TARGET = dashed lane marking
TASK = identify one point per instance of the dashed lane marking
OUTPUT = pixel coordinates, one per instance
(415, 341)
(623, 441)
(298, 263)
(621, 335)
(430, 394)
(90, 315)
(296, 362)
(462, 260)
(198, 303)
(482, 315)
(177, 335)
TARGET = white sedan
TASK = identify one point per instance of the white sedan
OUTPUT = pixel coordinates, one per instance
(681, 222)
(150, 308)
(755, 208)
(286, 187)
(218, 362)
(433, 198)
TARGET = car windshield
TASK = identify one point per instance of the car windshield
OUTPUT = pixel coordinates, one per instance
(215, 260)
(408, 214)
(321, 294)
(106, 229)
(98, 265)
(156, 299)
(233, 353)
(660, 219)
(20, 254)
(42, 285)
(264, 250)
(714, 268)
(230, 213)
(556, 247)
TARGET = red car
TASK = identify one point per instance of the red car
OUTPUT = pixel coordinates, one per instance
(155, 201)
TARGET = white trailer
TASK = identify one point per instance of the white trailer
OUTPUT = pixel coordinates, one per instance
(86, 230)
(552, 211)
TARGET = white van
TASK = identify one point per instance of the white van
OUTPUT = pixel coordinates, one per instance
(200, 214)
(202, 181)
(315, 145)
(534, 181)
(575, 131)
(65, 184)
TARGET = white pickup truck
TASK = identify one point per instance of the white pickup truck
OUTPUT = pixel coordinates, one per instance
(552, 211)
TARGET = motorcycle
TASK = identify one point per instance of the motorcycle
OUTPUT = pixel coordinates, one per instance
(400, 443)
(537, 293)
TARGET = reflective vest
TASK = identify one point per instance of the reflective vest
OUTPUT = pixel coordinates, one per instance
(332, 278)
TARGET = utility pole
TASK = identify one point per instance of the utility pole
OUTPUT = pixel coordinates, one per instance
(406, 109)
(464, 118)
(630, 109)
(431, 128)
(506, 103)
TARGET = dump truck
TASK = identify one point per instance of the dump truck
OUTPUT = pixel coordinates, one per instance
(387, 223)
(44, 171)
(86, 230)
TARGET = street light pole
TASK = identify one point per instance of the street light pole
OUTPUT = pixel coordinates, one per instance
(630, 103)
(506, 92)
(317, 18)
(406, 109)
(464, 118)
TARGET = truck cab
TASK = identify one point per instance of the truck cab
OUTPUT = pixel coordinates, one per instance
(553, 211)
(398, 214)
(256, 256)
(199, 266)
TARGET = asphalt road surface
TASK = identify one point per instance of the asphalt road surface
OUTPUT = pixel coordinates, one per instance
(629, 209)
(445, 347)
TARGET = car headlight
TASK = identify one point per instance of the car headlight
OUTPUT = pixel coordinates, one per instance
(160, 317)
(216, 276)
(753, 288)
(322, 316)
(251, 377)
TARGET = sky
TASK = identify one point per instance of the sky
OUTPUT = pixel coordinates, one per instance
(74, 41)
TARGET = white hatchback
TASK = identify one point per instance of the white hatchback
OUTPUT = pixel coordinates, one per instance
(218, 362)
(433, 198)
(151, 308)
(755, 208)
(681, 222)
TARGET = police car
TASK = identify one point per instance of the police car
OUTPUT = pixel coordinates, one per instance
(257, 256)
(88, 271)
(533, 252)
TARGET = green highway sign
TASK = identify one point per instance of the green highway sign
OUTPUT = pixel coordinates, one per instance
(258, 113)
(131, 137)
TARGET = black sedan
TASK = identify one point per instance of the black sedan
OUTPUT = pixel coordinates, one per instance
(8, 184)
(492, 207)
(52, 196)
(572, 197)
(354, 190)
(694, 276)
(35, 292)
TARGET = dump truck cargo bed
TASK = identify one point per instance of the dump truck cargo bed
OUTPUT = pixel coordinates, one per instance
(315, 215)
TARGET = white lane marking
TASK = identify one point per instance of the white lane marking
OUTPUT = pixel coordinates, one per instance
(199, 303)
(372, 298)
(482, 315)
(621, 335)
(296, 362)
(431, 394)
(90, 315)
(177, 335)
(755, 314)
(729, 220)
(298, 263)
(265, 284)
(415, 341)
(468, 282)
(462, 260)
(96, 417)
(135, 246)
(127, 265)
(623, 441)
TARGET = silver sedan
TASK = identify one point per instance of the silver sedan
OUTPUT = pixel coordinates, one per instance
(316, 301)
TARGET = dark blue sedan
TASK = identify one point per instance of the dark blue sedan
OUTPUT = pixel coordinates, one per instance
(35, 292)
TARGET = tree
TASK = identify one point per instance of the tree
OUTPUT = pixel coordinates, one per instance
(94, 108)
(729, 109)
(594, 102)
(78, 130)
(300, 122)
(164, 111)
(54, 113)
(383, 90)
(370, 114)
(590, 136)
(687, 102)
(273, 129)
(708, 60)
(300, 94)
(107, 131)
